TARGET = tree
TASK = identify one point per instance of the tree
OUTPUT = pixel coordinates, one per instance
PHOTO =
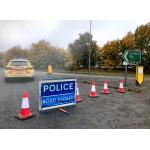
(43, 54)
(142, 43)
(1, 57)
(38, 52)
(14, 52)
(80, 48)
(60, 58)
(127, 42)
(95, 54)
(70, 63)
(110, 54)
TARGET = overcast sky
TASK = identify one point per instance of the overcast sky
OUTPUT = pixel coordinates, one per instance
(62, 32)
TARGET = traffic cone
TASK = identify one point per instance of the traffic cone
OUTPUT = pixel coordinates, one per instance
(93, 90)
(121, 89)
(105, 90)
(77, 94)
(25, 109)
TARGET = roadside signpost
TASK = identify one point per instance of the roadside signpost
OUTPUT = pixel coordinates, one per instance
(55, 93)
(131, 56)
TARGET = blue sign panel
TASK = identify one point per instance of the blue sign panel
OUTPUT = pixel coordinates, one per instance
(56, 88)
(57, 100)
(55, 93)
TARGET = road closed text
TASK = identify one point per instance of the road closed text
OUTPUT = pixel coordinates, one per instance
(58, 99)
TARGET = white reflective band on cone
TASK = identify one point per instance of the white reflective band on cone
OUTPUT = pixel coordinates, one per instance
(121, 85)
(105, 86)
(77, 91)
(93, 88)
(25, 103)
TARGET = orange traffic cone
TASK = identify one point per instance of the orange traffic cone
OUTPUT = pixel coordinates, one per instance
(25, 110)
(77, 94)
(93, 90)
(121, 89)
(105, 90)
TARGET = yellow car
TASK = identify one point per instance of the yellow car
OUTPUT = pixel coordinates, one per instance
(19, 68)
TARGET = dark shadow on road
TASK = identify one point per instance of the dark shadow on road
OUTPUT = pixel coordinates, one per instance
(22, 80)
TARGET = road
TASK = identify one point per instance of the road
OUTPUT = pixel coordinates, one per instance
(108, 111)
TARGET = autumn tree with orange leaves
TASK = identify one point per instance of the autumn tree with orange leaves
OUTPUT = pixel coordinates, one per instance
(14, 52)
(111, 55)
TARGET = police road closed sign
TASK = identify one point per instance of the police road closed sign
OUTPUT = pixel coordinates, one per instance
(56, 92)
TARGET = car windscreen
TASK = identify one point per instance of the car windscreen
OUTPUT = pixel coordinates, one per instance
(18, 63)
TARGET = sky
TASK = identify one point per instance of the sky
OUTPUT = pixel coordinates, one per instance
(60, 33)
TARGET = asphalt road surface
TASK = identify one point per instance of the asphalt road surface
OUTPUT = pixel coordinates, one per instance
(116, 110)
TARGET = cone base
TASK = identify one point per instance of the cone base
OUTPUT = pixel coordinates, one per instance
(121, 91)
(23, 118)
(105, 92)
(79, 100)
(93, 96)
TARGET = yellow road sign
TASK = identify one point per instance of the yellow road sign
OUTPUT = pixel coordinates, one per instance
(139, 74)
(50, 69)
